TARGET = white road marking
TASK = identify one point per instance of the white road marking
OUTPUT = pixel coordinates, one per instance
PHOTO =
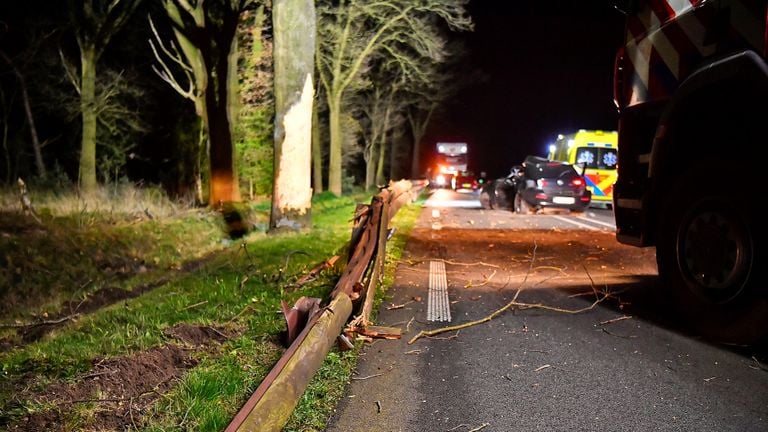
(438, 306)
(453, 203)
(605, 224)
(579, 224)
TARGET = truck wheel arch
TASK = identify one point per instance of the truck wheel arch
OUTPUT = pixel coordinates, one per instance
(739, 81)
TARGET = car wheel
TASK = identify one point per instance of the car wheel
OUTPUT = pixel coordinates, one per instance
(706, 253)
(521, 206)
(485, 201)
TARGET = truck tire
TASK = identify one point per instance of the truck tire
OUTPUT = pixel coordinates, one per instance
(708, 258)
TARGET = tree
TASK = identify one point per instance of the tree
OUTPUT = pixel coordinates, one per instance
(378, 106)
(95, 22)
(255, 137)
(426, 98)
(211, 27)
(352, 31)
(294, 48)
(191, 85)
(36, 147)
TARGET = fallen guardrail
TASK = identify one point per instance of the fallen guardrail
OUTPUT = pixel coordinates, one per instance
(271, 405)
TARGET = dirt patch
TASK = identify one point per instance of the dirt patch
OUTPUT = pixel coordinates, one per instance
(118, 389)
(199, 335)
(93, 302)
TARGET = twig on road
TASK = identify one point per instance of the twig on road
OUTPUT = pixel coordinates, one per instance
(367, 377)
(611, 321)
(483, 283)
(618, 335)
(515, 303)
(418, 261)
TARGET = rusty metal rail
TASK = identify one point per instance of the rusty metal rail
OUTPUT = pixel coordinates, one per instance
(271, 405)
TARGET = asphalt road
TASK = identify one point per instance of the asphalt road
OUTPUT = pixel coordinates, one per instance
(622, 365)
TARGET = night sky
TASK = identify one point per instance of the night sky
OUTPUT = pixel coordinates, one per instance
(543, 68)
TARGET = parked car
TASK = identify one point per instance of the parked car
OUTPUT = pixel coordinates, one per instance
(500, 193)
(549, 184)
(465, 180)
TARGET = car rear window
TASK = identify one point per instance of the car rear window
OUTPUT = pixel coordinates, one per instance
(550, 170)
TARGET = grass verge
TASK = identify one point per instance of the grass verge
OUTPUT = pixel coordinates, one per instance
(234, 289)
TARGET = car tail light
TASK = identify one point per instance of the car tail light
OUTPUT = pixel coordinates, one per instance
(577, 182)
(541, 183)
(584, 198)
(541, 196)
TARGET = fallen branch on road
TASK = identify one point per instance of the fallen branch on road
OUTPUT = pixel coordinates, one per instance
(419, 261)
(498, 312)
(611, 321)
(515, 303)
(483, 283)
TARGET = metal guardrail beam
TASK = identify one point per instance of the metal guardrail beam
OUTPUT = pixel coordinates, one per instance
(271, 405)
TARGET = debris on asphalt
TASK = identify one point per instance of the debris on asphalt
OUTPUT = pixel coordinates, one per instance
(611, 321)
(485, 282)
(380, 332)
(367, 377)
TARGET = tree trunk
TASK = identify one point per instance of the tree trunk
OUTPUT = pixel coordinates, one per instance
(334, 158)
(380, 162)
(223, 188)
(87, 173)
(294, 49)
(317, 154)
(30, 118)
(370, 164)
(418, 128)
(220, 106)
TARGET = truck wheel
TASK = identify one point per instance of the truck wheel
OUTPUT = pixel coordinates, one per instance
(706, 253)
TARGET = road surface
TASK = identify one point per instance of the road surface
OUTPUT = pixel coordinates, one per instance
(623, 365)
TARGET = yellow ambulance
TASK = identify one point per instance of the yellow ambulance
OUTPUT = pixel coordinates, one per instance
(598, 151)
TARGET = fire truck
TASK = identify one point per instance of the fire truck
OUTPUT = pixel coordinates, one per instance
(691, 85)
(451, 159)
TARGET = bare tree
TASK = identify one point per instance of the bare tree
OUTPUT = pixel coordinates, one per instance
(36, 146)
(95, 22)
(211, 27)
(352, 31)
(294, 48)
(182, 67)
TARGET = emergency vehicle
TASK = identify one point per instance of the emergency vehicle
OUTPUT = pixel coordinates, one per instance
(451, 158)
(691, 85)
(597, 152)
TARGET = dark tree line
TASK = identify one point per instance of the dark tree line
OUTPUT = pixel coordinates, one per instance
(93, 91)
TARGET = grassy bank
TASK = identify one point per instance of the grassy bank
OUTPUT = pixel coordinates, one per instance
(151, 318)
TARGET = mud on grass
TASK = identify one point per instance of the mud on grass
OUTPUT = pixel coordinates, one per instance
(116, 393)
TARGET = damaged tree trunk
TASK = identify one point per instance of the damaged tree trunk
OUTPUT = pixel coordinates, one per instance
(294, 48)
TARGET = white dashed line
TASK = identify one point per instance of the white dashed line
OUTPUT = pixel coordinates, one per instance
(605, 224)
(438, 306)
(578, 224)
